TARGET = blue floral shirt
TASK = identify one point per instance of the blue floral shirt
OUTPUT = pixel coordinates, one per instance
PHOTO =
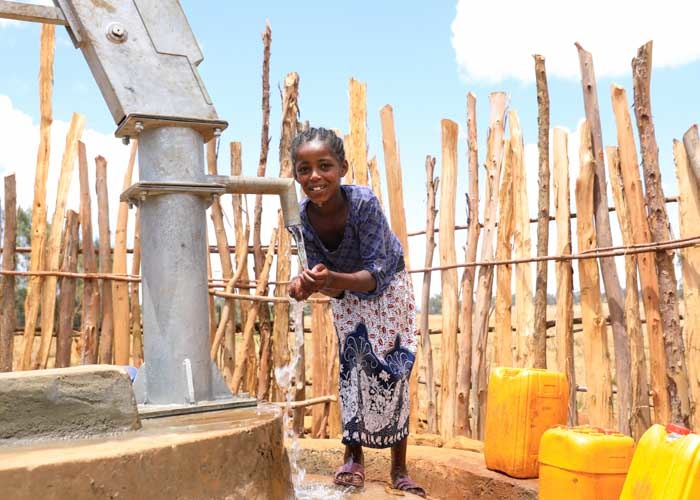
(368, 242)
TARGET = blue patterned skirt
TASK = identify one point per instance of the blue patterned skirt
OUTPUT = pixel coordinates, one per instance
(377, 340)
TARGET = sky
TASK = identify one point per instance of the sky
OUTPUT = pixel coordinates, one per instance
(420, 57)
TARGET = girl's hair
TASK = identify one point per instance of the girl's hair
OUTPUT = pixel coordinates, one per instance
(324, 135)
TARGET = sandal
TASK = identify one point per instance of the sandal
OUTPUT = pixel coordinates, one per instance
(350, 474)
(405, 483)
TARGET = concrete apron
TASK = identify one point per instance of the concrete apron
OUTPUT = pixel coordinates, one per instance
(217, 455)
(444, 473)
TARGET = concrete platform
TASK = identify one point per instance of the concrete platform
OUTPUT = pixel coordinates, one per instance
(371, 491)
(66, 402)
(444, 473)
(219, 455)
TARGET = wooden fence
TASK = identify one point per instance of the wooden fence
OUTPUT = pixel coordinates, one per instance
(631, 359)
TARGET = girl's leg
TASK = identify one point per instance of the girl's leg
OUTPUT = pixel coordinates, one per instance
(399, 472)
(349, 474)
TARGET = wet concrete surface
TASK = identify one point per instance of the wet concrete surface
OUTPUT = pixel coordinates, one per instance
(225, 454)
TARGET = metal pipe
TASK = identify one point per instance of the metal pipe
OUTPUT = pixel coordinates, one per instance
(20, 11)
(174, 266)
(282, 186)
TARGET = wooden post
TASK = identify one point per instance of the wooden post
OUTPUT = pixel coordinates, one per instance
(107, 326)
(641, 415)
(448, 257)
(394, 183)
(66, 304)
(375, 180)
(522, 244)
(120, 289)
(9, 244)
(264, 147)
(677, 373)
(53, 244)
(136, 330)
(349, 176)
(464, 426)
(247, 344)
(38, 233)
(280, 332)
(564, 333)
(503, 347)
(217, 218)
(358, 131)
(91, 296)
(595, 341)
(426, 346)
(335, 427)
(691, 140)
(540, 315)
(689, 216)
(608, 269)
(242, 231)
(494, 158)
(645, 261)
(319, 366)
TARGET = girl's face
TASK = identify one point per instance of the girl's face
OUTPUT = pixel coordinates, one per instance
(318, 171)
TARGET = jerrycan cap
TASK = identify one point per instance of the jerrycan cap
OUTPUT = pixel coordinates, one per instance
(677, 429)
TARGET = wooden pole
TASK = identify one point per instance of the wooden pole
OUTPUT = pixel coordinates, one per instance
(358, 131)
(217, 218)
(540, 315)
(522, 244)
(677, 373)
(494, 158)
(448, 256)
(136, 330)
(689, 216)
(241, 225)
(645, 261)
(691, 140)
(319, 366)
(107, 326)
(394, 182)
(53, 244)
(38, 232)
(335, 427)
(598, 381)
(426, 346)
(375, 180)
(608, 269)
(564, 333)
(503, 347)
(247, 344)
(280, 332)
(640, 416)
(66, 305)
(264, 146)
(464, 384)
(120, 290)
(9, 244)
(91, 296)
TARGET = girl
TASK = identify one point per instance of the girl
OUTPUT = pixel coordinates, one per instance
(356, 259)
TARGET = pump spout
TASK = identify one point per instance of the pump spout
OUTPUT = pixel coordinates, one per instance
(284, 187)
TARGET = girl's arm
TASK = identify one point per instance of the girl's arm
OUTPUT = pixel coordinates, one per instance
(331, 283)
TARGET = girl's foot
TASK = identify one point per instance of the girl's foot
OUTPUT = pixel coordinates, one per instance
(405, 483)
(350, 474)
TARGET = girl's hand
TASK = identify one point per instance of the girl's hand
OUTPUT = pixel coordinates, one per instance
(297, 290)
(316, 279)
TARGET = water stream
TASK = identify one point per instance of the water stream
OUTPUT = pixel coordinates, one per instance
(286, 379)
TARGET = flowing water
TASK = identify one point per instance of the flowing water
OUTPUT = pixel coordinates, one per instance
(286, 379)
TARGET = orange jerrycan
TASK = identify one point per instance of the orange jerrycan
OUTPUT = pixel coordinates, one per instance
(665, 466)
(521, 404)
(582, 463)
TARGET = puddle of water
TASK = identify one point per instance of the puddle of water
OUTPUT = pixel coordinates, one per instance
(316, 491)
